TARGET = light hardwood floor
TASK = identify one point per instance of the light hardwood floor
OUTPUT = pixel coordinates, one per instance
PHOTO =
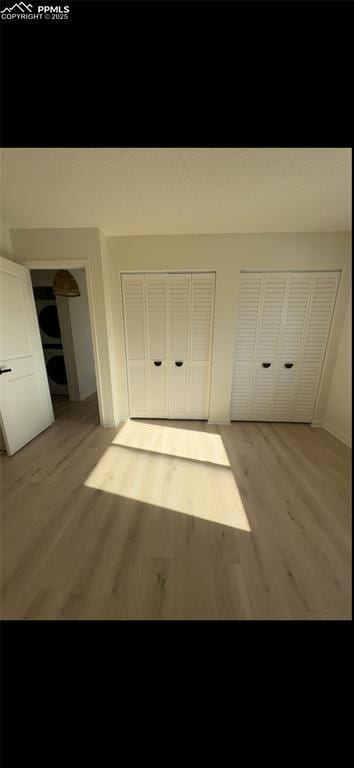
(175, 520)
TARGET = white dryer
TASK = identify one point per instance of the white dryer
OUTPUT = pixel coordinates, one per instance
(56, 372)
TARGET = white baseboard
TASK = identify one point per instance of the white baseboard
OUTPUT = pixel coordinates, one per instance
(333, 431)
(217, 421)
(110, 423)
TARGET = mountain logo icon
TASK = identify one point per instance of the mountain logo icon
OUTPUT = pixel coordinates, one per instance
(21, 7)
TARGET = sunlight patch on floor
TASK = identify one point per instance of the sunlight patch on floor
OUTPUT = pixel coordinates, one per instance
(203, 490)
(186, 443)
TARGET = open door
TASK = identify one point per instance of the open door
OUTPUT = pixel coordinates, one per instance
(25, 405)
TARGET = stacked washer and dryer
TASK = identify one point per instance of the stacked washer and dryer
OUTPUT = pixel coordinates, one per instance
(49, 326)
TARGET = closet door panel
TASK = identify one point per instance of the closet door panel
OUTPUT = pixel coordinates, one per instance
(202, 286)
(134, 316)
(199, 390)
(202, 311)
(156, 314)
(284, 389)
(284, 321)
(298, 298)
(138, 389)
(158, 402)
(179, 299)
(156, 322)
(263, 392)
(267, 346)
(245, 344)
(274, 287)
(325, 285)
(291, 343)
(179, 391)
(135, 343)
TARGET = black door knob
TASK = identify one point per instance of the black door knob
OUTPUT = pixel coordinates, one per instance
(266, 365)
(157, 363)
(178, 363)
(288, 365)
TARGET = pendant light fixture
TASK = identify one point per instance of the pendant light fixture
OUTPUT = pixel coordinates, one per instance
(65, 284)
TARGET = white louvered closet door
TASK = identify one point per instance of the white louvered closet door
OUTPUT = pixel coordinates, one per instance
(283, 326)
(251, 292)
(179, 318)
(202, 315)
(318, 323)
(133, 287)
(286, 368)
(156, 325)
(168, 321)
(267, 346)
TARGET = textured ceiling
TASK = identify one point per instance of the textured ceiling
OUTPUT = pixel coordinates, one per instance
(177, 191)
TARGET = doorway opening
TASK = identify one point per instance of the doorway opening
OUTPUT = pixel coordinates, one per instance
(65, 330)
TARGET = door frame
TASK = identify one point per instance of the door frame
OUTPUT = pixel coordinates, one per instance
(74, 264)
(38, 349)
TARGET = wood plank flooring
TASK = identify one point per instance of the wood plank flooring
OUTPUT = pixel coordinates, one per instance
(175, 520)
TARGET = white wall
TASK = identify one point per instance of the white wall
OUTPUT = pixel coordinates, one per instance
(338, 412)
(43, 277)
(70, 246)
(228, 254)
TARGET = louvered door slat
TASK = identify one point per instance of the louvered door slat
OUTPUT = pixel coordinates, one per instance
(179, 316)
(133, 298)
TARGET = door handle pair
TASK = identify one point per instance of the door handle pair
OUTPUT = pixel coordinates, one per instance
(179, 363)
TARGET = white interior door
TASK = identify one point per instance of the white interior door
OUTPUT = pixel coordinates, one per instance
(282, 333)
(25, 404)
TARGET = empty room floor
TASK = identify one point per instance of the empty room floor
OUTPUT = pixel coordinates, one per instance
(175, 520)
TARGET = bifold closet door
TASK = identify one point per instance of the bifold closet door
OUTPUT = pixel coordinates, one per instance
(133, 287)
(318, 323)
(282, 332)
(179, 306)
(202, 315)
(156, 336)
(145, 321)
(191, 308)
(168, 321)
